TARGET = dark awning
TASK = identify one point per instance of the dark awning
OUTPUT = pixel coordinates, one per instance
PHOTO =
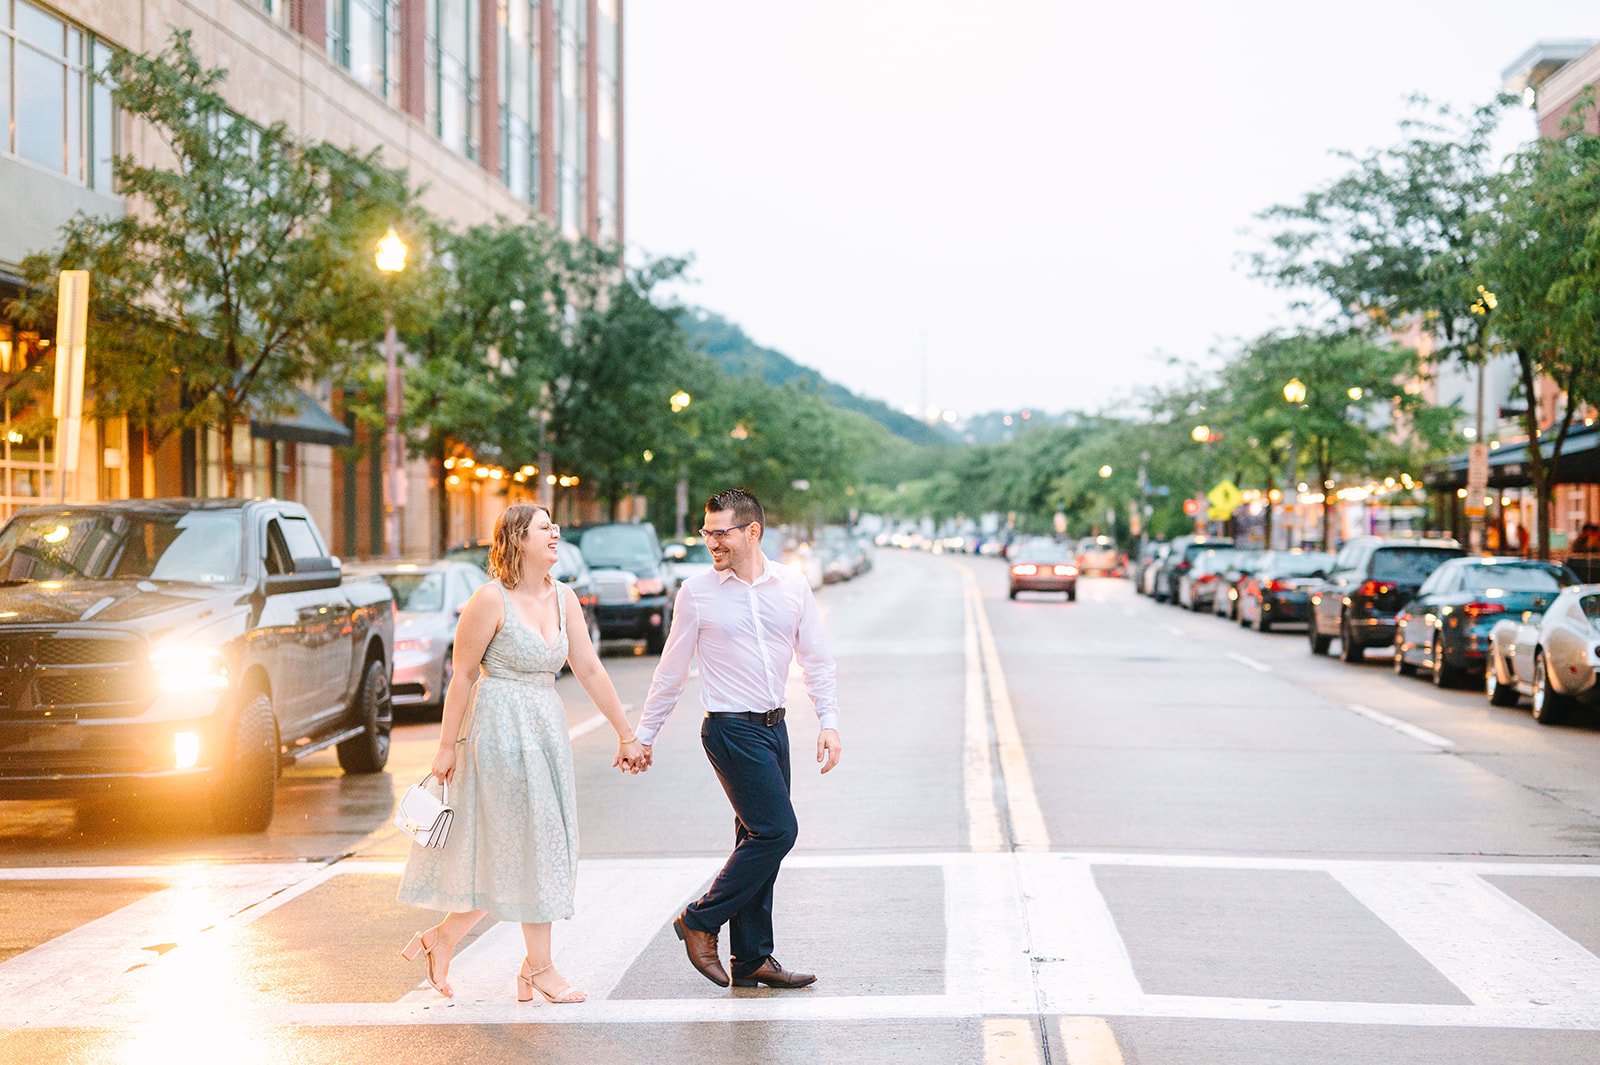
(1508, 466)
(302, 420)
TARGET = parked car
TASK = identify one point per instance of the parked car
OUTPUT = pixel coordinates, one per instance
(1197, 585)
(1279, 590)
(1180, 559)
(1043, 566)
(688, 557)
(1225, 603)
(1149, 555)
(570, 569)
(781, 546)
(1149, 574)
(428, 598)
(1098, 556)
(187, 646)
(1371, 579)
(635, 584)
(1553, 659)
(1445, 629)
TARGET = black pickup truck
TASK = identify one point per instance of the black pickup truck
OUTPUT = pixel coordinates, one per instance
(188, 646)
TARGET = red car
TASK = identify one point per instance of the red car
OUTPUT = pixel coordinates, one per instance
(1043, 566)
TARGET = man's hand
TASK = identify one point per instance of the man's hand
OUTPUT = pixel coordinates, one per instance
(828, 746)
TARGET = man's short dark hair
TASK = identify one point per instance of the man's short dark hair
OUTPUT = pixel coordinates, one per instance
(745, 506)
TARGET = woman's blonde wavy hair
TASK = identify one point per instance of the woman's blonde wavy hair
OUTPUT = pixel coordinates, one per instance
(505, 554)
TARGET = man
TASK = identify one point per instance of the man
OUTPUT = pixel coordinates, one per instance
(746, 618)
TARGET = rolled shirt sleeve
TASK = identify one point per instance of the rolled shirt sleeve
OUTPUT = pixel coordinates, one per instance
(672, 671)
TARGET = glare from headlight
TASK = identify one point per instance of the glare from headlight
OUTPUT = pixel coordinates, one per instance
(185, 750)
(182, 669)
(419, 644)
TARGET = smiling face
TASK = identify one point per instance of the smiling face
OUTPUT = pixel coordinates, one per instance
(540, 541)
(732, 550)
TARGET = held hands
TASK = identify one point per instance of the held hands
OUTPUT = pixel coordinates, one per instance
(632, 757)
(444, 764)
(828, 745)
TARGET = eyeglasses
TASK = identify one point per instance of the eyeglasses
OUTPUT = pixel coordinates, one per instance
(553, 530)
(720, 535)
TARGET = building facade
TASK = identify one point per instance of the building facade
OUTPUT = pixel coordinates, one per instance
(495, 108)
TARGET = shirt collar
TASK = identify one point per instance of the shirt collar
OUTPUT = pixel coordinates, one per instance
(767, 573)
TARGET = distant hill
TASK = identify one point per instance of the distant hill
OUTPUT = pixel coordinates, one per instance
(736, 353)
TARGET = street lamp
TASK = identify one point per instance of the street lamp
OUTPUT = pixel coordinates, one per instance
(1201, 434)
(1355, 393)
(680, 402)
(391, 260)
(1295, 391)
(1105, 471)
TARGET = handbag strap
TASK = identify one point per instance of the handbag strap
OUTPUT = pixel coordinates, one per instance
(444, 788)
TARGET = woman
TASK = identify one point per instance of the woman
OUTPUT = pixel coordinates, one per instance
(513, 849)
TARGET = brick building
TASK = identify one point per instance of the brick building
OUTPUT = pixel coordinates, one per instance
(494, 107)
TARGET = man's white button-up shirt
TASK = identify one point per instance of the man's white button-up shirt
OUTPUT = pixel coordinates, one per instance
(746, 635)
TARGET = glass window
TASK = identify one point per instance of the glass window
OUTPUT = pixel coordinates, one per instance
(519, 100)
(302, 540)
(422, 593)
(51, 113)
(1410, 565)
(102, 138)
(1515, 578)
(364, 38)
(200, 547)
(41, 108)
(619, 547)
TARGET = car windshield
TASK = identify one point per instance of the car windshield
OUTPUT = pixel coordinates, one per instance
(626, 547)
(197, 547)
(1043, 551)
(1514, 579)
(422, 593)
(477, 555)
(1591, 608)
(1409, 565)
(697, 552)
(1194, 551)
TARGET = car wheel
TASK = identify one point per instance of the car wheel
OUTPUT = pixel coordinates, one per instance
(1550, 707)
(1350, 649)
(1499, 694)
(1402, 668)
(243, 798)
(1012, 593)
(1072, 596)
(1319, 642)
(1444, 674)
(369, 752)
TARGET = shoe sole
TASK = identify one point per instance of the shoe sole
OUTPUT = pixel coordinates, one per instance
(677, 929)
(739, 981)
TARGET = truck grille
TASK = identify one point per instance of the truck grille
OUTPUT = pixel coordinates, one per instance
(46, 676)
(615, 587)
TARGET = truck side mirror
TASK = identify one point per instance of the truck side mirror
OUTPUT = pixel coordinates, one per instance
(310, 574)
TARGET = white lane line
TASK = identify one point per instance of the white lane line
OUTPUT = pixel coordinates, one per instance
(1010, 1041)
(987, 957)
(1089, 1041)
(1022, 805)
(1246, 660)
(984, 832)
(1432, 739)
(1491, 947)
(1078, 951)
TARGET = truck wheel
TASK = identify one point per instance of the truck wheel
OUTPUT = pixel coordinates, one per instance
(369, 752)
(1550, 707)
(656, 642)
(243, 798)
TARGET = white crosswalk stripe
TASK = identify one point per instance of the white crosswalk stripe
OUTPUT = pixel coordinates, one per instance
(1026, 934)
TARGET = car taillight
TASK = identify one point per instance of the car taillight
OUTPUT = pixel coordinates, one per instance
(1375, 588)
(649, 586)
(1026, 569)
(1205, 578)
(1184, 567)
(1478, 610)
(1066, 571)
(1278, 586)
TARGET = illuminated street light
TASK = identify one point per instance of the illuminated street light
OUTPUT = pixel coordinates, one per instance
(390, 259)
(1355, 393)
(1201, 434)
(680, 400)
(1105, 471)
(391, 254)
(1295, 391)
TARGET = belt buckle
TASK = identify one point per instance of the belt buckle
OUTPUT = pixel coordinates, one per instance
(773, 716)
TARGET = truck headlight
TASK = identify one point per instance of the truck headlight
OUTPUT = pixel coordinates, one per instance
(184, 669)
(185, 750)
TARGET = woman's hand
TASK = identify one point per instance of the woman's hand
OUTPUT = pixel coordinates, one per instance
(631, 757)
(444, 764)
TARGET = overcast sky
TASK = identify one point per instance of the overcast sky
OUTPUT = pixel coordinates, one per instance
(1038, 201)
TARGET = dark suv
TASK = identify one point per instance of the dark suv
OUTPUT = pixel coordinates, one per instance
(635, 583)
(1180, 560)
(1370, 580)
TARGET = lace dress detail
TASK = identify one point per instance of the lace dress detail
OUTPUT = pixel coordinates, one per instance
(513, 849)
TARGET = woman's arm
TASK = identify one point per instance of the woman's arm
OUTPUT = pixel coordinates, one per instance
(585, 662)
(480, 620)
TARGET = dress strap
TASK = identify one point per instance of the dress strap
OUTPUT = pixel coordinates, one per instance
(509, 607)
(561, 605)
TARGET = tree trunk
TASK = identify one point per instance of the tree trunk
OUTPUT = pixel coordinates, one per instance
(230, 471)
(1324, 475)
(1536, 467)
(442, 515)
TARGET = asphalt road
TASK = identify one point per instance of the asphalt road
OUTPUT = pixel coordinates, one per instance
(1099, 832)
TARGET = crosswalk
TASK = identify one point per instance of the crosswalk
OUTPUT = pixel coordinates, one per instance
(1023, 933)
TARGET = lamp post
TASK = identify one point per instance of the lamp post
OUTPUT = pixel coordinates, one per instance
(391, 259)
(1294, 393)
(680, 402)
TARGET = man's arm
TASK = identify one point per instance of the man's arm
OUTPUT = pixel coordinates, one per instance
(673, 669)
(816, 664)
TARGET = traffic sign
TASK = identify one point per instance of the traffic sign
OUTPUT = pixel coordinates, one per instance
(1224, 499)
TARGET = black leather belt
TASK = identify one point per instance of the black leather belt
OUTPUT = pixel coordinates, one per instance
(768, 718)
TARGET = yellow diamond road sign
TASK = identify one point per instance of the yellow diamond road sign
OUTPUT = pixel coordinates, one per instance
(1223, 499)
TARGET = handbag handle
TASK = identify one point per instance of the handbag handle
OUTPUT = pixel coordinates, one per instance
(444, 788)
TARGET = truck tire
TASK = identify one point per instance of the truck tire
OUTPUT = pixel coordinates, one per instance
(372, 710)
(243, 798)
(656, 641)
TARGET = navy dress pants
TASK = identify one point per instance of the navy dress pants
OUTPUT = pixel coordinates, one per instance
(752, 762)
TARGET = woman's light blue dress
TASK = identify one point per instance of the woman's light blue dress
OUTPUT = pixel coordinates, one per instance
(513, 849)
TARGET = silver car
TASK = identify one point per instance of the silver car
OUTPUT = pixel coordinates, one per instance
(429, 597)
(1552, 658)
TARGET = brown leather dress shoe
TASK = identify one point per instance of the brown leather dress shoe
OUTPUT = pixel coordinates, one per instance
(702, 949)
(773, 974)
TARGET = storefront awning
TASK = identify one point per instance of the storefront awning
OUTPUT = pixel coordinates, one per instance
(1509, 468)
(302, 421)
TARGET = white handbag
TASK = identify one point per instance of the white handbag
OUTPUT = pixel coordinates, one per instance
(424, 816)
